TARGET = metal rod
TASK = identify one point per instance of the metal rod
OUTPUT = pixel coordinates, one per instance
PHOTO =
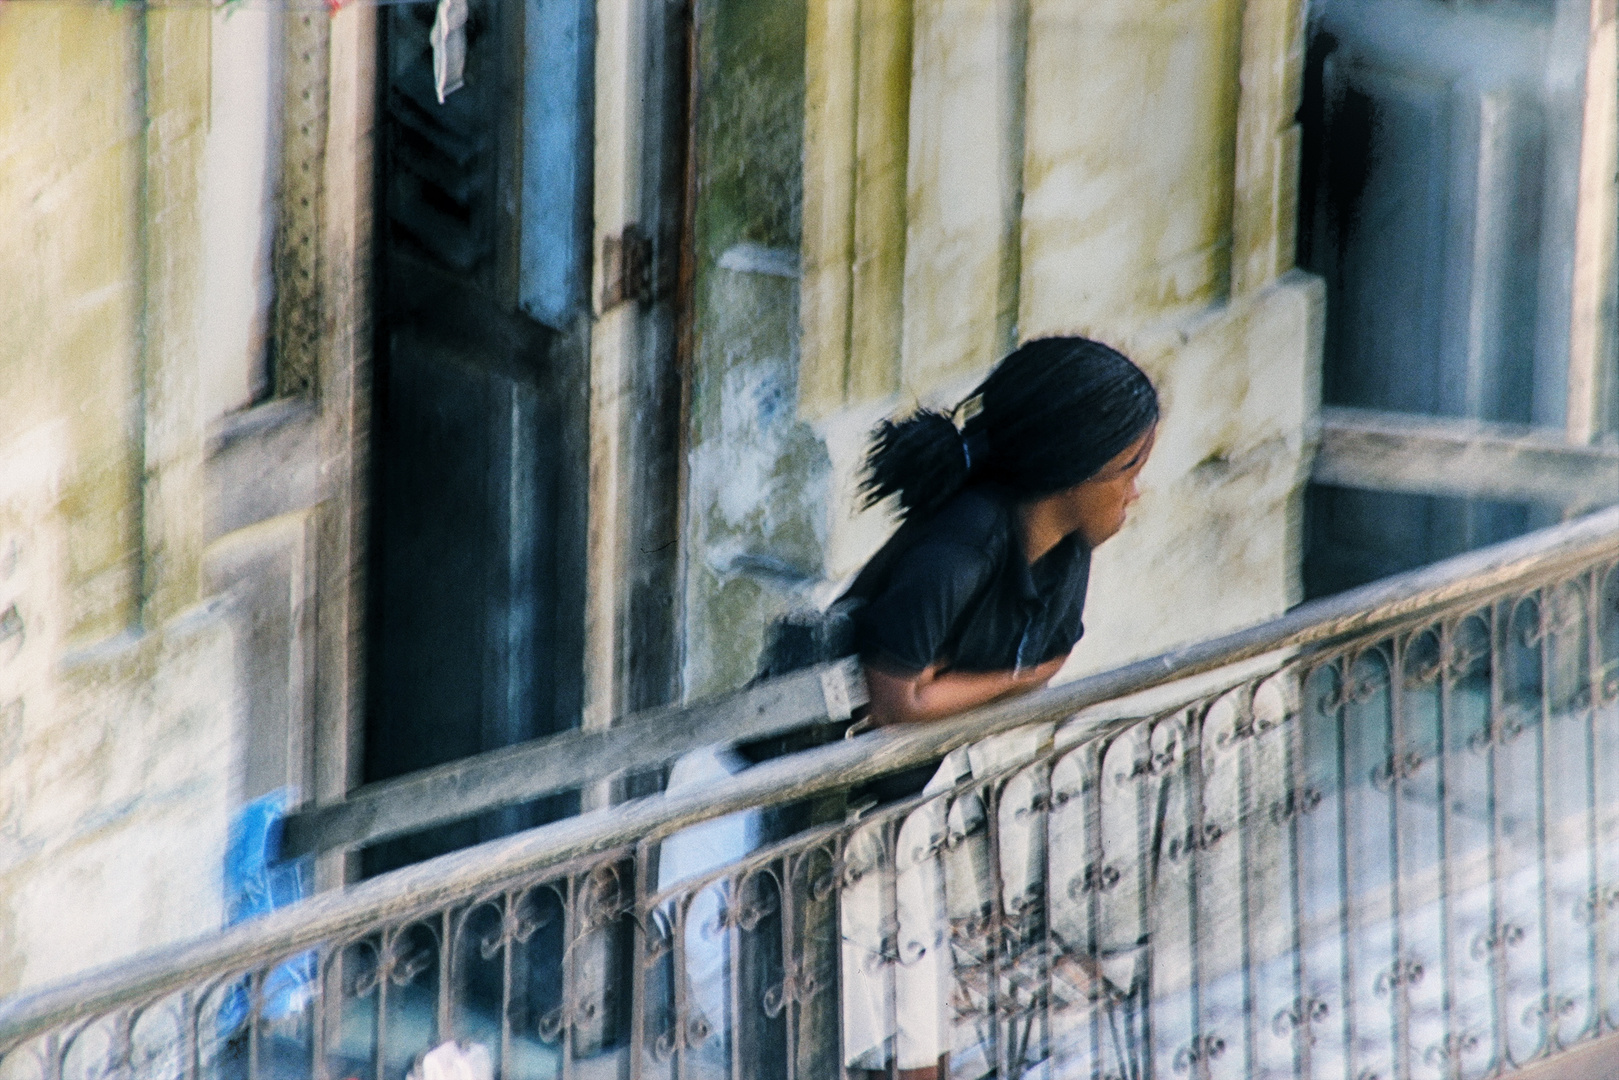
(1247, 860)
(728, 1025)
(1048, 940)
(680, 1020)
(190, 1066)
(1399, 990)
(638, 961)
(1593, 806)
(1297, 785)
(1546, 612)
(1344, 670)
(512, 910)
(890, 950)
(997, 945)
(1497, 929)
(1593, 677)
(446, 976)
(792, 966)
(385, 945)
(572, 942)
(1444, 687)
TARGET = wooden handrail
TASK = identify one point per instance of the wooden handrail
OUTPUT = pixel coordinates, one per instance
(530, 770)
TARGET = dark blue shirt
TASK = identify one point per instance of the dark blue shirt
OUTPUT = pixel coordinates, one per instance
(956, 590)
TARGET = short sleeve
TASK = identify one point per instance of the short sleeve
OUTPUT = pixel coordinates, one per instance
(907, 625)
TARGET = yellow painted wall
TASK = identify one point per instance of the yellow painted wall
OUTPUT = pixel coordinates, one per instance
(116, 692)
(71, 294)
(1129, 135)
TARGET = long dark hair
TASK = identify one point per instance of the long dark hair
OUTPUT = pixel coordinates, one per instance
(1050, 415)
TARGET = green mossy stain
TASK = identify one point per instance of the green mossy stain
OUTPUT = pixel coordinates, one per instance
(750, 123)
(758, 475)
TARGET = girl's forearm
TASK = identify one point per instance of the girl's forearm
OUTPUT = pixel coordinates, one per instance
(930, 695)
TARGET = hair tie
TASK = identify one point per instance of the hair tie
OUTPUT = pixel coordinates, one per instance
(975, 449)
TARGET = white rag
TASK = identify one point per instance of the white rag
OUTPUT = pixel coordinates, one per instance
(449, 40)
(455, 1061)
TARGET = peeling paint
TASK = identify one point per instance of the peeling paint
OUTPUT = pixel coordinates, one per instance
(757, 472)
(757, 476)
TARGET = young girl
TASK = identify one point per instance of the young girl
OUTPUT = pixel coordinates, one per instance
(980, 593)
(979, 596)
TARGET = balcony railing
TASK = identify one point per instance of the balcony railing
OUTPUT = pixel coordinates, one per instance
(1377, 837)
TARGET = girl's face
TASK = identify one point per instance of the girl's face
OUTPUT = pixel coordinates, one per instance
(1096, 509)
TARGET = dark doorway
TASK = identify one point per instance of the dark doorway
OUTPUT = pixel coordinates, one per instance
(479, 455)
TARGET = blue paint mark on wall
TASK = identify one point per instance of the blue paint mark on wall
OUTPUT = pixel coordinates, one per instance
(558, 103)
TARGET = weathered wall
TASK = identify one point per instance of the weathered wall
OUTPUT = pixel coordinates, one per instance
(116, 715)
(1158, 217)
(1124, 169)
(757, 473)
(156, 540)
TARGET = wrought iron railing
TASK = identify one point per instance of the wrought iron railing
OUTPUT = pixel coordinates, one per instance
(1385, 844)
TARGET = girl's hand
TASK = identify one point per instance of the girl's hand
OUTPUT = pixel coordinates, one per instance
(1036, 677)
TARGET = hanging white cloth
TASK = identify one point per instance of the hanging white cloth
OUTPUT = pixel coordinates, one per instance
(454, 1061)
(896, 968)
(693, 852)
(449, 41)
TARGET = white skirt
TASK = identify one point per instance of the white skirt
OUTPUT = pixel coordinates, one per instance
(916, 983)
(914, 978)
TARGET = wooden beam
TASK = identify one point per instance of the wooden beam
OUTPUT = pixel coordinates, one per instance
(530, 770)
(1433, 455)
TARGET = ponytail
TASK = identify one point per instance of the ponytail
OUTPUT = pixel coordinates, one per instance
(922, 459)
